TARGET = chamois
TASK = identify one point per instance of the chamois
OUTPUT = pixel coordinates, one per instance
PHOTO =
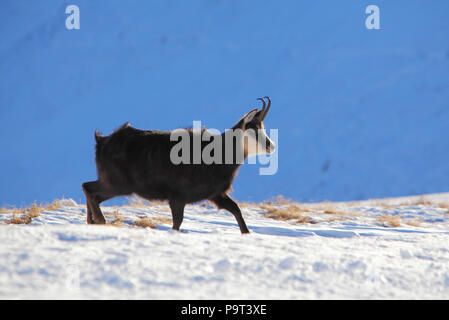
(133, 161)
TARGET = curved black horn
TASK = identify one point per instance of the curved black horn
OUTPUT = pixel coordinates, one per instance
(263, 108)
(268, 107)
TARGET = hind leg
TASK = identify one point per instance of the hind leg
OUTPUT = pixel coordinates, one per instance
(95, 193)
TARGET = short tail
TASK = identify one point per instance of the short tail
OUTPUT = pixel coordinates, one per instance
(98, 137)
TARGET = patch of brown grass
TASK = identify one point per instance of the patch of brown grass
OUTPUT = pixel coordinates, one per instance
(336, 218)
(164, 208)
(24, 219)
(378, 202)
(34, 210)
(157, 202)
(146, 223)
(328, 209)
(443, 205)
(246, 204)
(25, 216)
(118, 219)
(55, 205)
(421, 201)
(413, 222)
(16, 210)
(323, 206)
(290, 206)
(331, 210)
(153, 222)
(389, 221)
(292, 212)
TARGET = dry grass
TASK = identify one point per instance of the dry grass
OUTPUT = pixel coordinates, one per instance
(291, 206)
(413, 222)
(378, 202)
(34, 210)
(3, 210)
(389, 221)
(336, 218)
(443, 205)
(55, 205)
(331, 210)
(145, 222)
(118, 219)
(247, 204)
(335, 214)
(24, 219)
(157, 202)
(292, 212)
(25, 216)
(16, 210)
(422, 201)
(284, 209)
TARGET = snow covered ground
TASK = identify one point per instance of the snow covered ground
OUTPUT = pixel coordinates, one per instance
(347, 252)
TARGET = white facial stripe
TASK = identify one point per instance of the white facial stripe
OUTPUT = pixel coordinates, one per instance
(263, 139)
(257, 145)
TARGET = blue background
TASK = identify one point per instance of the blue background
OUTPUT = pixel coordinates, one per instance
(361, 113)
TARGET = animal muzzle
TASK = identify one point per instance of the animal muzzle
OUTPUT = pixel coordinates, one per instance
(270, 147)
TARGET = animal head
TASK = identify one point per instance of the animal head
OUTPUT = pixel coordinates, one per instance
(255, 139)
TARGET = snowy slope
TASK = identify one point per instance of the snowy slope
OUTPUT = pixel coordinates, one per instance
(361, 113)
(59, 256)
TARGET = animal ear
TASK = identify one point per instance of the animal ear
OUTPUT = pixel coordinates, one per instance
(259, 114)
(249, 116)
(245, 119)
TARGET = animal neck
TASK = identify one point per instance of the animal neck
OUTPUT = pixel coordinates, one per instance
(233, 147)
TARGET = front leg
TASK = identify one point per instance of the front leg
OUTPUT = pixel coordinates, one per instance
(177, 212)
(224, 202)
